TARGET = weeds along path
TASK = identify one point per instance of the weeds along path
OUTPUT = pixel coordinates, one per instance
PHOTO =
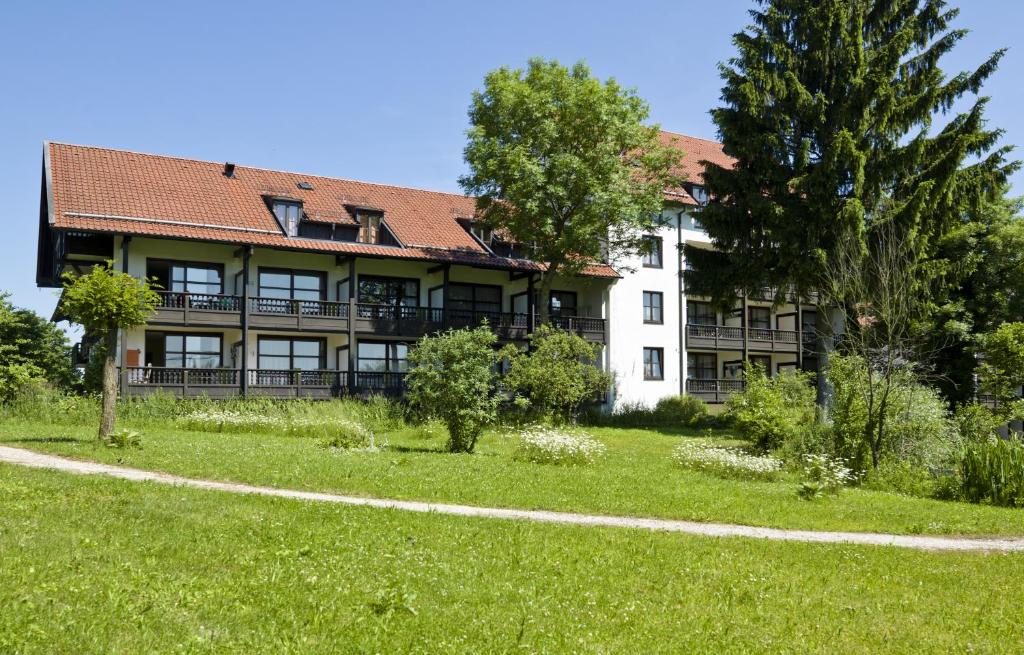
(22, 457)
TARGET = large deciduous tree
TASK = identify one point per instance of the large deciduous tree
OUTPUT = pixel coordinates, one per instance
(33, 346)
(104, 301)
(564, 162)
(841, 122)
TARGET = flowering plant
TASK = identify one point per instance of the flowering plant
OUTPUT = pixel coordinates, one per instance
(701, 456)
(545, 445)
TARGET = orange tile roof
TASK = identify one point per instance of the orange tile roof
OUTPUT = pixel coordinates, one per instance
(123, 192)
(695, 152)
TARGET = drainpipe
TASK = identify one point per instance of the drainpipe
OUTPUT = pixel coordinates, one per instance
(680, 300)
(246, 254)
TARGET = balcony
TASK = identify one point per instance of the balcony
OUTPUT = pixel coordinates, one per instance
(197, 309)
(720, 337)
(713, 391)
(211, 310)
(273, 383)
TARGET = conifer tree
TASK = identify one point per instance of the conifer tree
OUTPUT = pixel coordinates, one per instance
(842, 123)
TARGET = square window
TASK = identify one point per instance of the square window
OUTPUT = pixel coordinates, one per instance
(653, 363)
(653, 311)
(652, 252)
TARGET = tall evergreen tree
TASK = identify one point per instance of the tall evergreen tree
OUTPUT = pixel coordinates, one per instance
(841, 122)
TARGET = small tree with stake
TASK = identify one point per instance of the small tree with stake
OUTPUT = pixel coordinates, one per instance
(564, 162)
(104, 301)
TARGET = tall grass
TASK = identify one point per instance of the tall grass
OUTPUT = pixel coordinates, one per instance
(993, 471)
(249, 415)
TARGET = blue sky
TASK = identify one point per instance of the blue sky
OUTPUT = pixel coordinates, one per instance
(370, 90)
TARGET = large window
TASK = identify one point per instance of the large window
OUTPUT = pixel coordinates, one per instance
(563, 303)
(760, 318)
(394, 291)
(474, 298)
(281, 353)
(654, 363)
(653, 307)
(652, 252)
(700, 366)
(191, 277)
(291, 285)
(381, 357)
(700, 313)
(191, 350)
(288, 213)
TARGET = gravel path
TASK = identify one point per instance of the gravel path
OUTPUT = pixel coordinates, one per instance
(32, 459)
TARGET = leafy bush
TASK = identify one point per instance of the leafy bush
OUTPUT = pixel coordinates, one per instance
(1002, 372)
(823, 475)
(44, 404)
(770, 410)
(15, 378)
(902, 477)
(557, 374)
(123, 438)
(670, 412)
(350, 435)
(381, 414)
(452, 378)
(977, 423)
(917, 425)
(546, 445)
(993, 471)
(728, 462)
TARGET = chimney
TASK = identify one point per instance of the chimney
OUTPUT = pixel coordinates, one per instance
(229, 169)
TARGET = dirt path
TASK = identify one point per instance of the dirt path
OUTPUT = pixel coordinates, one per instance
(32, 459)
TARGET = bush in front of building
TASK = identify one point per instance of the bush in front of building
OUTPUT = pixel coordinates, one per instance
(557, 375)
(452, 378)
(771, 410)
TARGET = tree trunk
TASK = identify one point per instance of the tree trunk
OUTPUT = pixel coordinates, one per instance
(823, 345)
(109, 385)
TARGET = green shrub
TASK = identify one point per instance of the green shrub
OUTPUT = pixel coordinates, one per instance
(350, 435)
(381, 414)
(452, 378)
(993, 472)
(771, 410)
(557, 374)
(977, 423)
(902, 477)
(47, 405)
(682, 410)
(123, 438)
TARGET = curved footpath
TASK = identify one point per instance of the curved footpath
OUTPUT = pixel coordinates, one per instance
(32, 459)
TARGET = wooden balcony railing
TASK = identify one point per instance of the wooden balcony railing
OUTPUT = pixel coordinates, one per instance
(714, 390)
(278, 383)
(199, 301)
(720, 337)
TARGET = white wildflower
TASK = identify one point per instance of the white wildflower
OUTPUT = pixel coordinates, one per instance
(545, 445)
(702, 456)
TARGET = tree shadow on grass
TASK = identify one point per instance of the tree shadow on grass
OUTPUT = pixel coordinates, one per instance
(42, 440)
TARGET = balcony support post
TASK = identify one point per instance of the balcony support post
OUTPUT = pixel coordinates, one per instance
(244, 375)
(351, 382)
(799, 334)
(445, 279)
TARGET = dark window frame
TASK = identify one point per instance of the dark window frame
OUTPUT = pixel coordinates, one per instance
(369, 229)
(654, 251)
(322, 341)
(650, 307)
(291, 273)
(708, 306)
(649, 363)
(551, 309)
(474, 302)
(389, 278)
(283, 221)
(704, 358)
(387, 359)
(186, 264)
(184, 352)
(765, 311)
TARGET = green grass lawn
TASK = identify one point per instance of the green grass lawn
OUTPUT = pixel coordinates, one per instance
(636, 478)
(97, 565)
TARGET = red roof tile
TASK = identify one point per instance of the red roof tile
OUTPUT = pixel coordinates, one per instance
(117, 191)
(696, 151)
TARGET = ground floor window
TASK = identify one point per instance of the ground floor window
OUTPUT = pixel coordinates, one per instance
(701, 366)
(290, 353)
(184, 350)
(381, 357)
(654, 359)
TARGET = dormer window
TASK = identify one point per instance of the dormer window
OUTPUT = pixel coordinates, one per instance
(485, 234)
(369, 227)
(699, 193)
(288, 213)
